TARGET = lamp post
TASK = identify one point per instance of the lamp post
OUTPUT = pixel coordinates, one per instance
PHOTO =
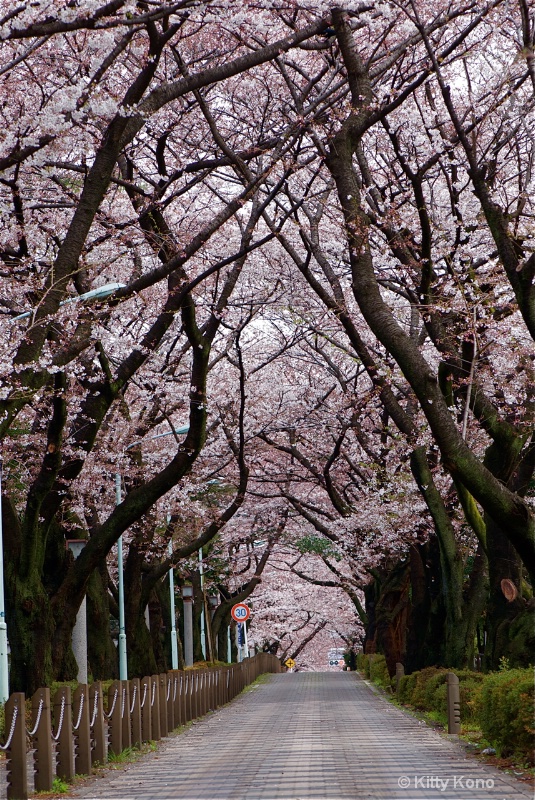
(203, 624)
(123, 663)
(174, 646)
(213, 602)
(187, 597)
(4, 665)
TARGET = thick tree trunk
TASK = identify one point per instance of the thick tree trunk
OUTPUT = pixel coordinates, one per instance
(141, 657)
(101, 651)
(504, 564)
(454, 652)
(158, 629)
(29, 617)
(426, 619)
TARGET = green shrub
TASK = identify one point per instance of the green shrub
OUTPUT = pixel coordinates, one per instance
(419, 699)
(469, 692)
(505, 711)
(406, 687)
(439, 701)
(379, 671)
(362, 658)
(500, 703)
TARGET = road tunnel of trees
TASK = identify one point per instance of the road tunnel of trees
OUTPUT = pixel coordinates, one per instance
(271, 271)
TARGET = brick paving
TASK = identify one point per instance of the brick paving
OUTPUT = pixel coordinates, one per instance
(306, 736)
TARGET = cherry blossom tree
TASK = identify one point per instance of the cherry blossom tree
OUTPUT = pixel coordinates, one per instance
(304, 231)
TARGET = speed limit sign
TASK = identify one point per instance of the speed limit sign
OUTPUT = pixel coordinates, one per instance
(240, 612)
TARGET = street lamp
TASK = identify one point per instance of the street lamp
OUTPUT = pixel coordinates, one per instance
(203, 624)
(174, 645)
(95, 294)
(123, 662)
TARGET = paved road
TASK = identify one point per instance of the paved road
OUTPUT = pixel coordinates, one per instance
(306, 736)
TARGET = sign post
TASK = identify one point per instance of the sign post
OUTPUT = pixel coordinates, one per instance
(240, 613)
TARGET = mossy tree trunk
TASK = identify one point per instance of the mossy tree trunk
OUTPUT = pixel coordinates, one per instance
(101, 651)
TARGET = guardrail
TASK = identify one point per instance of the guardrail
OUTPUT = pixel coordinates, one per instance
(76, 730)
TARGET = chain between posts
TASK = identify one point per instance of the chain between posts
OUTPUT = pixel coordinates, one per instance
(60, 724)
(184, 685)
(11, 730)
(82, 700)
(142, 704)
(108, 715)
(95, 710)
(134, 693)
(123, 703)
(35, 728)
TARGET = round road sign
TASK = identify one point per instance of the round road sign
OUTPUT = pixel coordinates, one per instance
(240, 612)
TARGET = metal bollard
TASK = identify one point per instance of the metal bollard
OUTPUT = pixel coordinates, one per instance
(454, 704)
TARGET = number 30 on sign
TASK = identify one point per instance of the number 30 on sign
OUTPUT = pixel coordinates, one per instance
(240, 612)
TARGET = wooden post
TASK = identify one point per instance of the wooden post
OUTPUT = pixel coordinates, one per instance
(155, 703)
(196, 693)
(178, 700)
(202, 692)
(115, 727)
(171, 691)
(136, 712)
(228, 685)
(454, 704)
(63, 735)
(126, 727)
(146, 709)
(82, 734)
(187, 695)
(42, 740)
(96, 710)
(16, 773)
(162, 689)
(210, 705)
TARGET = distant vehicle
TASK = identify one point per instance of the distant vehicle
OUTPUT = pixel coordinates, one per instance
(335, 657)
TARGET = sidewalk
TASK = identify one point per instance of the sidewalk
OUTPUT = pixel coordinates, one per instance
(306, 736)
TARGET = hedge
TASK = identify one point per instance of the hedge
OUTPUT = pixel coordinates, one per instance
(374, 668)
(501, 703)
(505, 711)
